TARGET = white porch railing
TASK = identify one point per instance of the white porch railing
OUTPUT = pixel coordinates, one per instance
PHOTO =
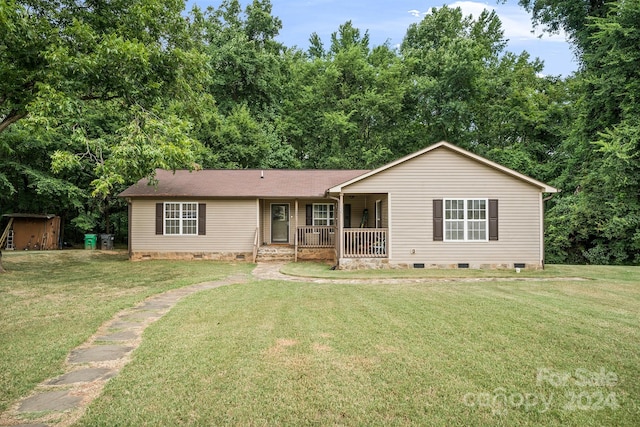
(365, 243)
(316, 236)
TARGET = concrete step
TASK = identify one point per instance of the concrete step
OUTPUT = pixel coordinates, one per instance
(276, 253)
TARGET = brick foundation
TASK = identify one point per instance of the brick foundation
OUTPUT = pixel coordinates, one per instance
(211, 256)
(317, 254)
(383, 263)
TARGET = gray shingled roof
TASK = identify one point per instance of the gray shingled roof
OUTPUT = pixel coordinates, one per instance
(226, 183)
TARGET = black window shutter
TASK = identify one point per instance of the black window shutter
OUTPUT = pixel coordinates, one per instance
(159, 218)
(202, 219)
(347, 216)
(309, 214)
(493, 219)
(438, 235)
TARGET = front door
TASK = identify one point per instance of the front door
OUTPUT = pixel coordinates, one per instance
(280, 223)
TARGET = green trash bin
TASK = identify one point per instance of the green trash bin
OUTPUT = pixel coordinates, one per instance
(90, 241)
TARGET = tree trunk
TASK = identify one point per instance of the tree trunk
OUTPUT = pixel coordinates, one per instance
(2, 270)
(107, 218)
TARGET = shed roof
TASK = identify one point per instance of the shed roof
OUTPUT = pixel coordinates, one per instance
(28, 215)
(227, 183)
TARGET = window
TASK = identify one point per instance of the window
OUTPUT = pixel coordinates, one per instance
(323, 214)
(465, 220)
(181, 219)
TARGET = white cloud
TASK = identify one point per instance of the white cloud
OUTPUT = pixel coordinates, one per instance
(471, 7)
(516, 22)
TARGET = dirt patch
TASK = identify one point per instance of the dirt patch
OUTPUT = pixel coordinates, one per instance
(321, 348)
(280, 346)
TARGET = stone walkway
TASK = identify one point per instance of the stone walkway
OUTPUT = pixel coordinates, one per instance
(271, 271)
(62, 400)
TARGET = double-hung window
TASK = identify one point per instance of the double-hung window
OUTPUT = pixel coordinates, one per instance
(323, 214)
(465, 220)
(180, 218)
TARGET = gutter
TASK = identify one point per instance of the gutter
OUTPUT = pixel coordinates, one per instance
(545, 199)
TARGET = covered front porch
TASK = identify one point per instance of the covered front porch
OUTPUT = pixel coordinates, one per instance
(351, 227)
(356, 242)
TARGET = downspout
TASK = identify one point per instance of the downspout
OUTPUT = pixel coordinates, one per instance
(542, 228)
(129, 227)
(258, 235)
(338, 248)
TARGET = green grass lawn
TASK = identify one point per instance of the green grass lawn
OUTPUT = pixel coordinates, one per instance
(51, 302)
(500, 352)
(486, 353)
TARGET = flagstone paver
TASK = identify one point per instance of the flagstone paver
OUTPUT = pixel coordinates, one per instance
(119, 336)
(50, 401)
(80, 376)
(99, 353)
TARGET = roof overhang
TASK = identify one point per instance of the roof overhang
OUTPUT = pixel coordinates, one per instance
(30, 216)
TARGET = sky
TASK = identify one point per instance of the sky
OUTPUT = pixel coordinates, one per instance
(388, 20)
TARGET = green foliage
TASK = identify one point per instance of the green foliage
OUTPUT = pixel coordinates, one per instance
(346, 103)
(97, 95)
(600, 224)
(86, 221)
(571, 16)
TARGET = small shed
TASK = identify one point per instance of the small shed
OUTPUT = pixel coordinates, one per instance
(31, 232)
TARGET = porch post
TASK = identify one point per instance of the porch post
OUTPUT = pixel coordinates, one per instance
(295, 238)
(340, 228)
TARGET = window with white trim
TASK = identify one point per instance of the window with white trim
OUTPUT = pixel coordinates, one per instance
(181, 218)
(323, 214)
(465, 220)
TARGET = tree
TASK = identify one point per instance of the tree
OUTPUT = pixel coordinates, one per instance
(68, 50)
(571, 16)
(449, 56)
(243, 55)
(100, 77)
(346, 103)
(468, 90)
(600, 217)
(249, 78)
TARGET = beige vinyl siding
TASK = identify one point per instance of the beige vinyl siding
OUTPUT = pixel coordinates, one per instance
(443, 174)
(231, 226)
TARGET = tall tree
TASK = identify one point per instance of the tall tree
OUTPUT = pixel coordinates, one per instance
(85, 80)
(468, 90)
(248, 82)
(347, 102)
(449, 56)
(571, 16)
(599, 218)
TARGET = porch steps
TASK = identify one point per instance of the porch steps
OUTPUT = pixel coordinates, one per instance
(276, 253)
